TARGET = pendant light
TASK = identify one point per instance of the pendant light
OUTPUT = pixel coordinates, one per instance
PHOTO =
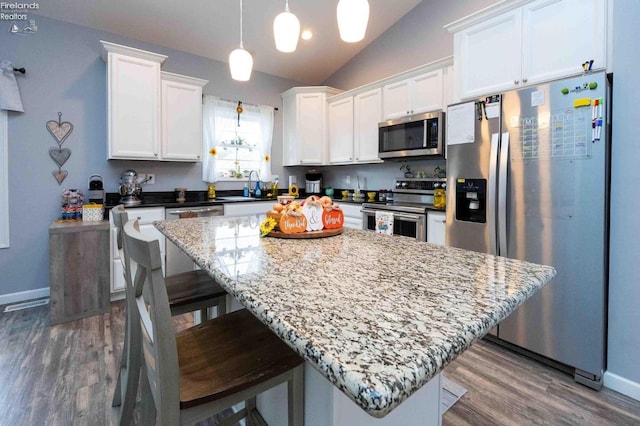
(353, 16)
(286, 30)
(240, 61)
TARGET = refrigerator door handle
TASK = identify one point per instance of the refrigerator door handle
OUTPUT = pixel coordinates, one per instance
(491, 193)
(502, 195)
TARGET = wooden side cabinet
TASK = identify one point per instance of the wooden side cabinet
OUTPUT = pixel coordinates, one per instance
(78, 270)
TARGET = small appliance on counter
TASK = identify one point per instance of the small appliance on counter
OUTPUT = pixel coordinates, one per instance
(313, 183)
(130, 188)
(96, 192)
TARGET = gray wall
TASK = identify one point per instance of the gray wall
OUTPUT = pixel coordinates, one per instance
(624, 284)
(65, 73)
(419, 38)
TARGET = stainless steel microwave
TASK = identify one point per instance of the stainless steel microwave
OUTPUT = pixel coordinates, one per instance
(419, 135)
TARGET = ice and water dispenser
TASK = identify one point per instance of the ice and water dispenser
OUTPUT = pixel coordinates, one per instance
(471, 200)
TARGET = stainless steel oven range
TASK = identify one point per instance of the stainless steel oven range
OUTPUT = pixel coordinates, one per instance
(412, 199)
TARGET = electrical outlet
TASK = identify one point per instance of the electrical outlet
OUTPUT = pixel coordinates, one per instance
(347, 180)
(151, 177)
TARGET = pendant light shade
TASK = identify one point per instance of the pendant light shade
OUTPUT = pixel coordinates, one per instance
(240, 61)
(286, 30)
(241, 64)
(353, 17)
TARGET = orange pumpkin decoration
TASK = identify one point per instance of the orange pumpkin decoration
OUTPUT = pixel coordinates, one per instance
(293, 223)
(332, 218)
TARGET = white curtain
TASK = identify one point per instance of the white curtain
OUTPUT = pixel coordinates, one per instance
(220, 115)
(264, 116)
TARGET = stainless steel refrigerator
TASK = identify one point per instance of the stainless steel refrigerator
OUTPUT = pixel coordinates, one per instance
(528, 178)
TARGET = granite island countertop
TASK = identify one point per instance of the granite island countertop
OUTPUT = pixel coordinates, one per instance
(377, 315)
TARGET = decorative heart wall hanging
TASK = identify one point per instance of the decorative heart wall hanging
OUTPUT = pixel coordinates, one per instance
(60, 130)
(59, 155)
(60, 175)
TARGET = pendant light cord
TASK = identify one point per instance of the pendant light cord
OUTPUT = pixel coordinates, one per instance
(286, 5)
(241, 44)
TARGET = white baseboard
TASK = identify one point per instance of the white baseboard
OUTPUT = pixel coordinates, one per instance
(22, 296)
(620, 384)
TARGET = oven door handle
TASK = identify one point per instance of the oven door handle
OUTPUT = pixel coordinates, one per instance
(198, 211)
(411, 217)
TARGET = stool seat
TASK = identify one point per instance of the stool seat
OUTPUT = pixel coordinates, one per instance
(227, 355)
(191, 291)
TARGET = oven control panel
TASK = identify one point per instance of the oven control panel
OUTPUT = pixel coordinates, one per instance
(420, 186)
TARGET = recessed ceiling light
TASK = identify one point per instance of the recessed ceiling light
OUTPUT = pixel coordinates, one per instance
(306, 35)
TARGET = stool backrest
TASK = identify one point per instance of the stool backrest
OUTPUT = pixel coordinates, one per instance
(158, 337)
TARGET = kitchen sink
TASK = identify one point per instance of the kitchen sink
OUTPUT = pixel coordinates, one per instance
(237, 198)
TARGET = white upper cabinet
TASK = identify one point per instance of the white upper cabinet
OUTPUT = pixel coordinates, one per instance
(341, 131)
(367, 114)
(181, 117)
(517, 43)
(559, 35)
(305, 140)
(413, 95)
(133, 97)
(487, 55)
(353, 127)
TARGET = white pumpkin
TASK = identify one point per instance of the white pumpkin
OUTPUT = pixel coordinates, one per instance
(313, 212)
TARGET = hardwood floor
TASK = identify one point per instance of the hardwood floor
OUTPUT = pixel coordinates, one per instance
(64, 375)
(505, 388)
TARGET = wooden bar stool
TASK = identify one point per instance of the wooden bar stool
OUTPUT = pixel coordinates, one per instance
(201, 371)
(187, 292)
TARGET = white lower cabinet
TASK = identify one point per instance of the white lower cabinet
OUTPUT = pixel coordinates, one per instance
(352, 215)
(145, 216)
(248, 208)
(436, 227)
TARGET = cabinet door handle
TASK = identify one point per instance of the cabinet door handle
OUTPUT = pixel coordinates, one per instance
(524, 80)
(516, 81)
(155, 154)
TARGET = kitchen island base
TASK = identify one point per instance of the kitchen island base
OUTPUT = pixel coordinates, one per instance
(326, 405)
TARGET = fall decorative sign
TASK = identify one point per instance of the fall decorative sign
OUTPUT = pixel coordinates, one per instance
(294, 222)
(332, 218)
(313, 211)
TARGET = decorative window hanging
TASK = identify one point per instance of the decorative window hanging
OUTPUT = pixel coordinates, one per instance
(237, 139)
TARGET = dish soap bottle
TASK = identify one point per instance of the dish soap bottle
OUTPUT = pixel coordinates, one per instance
(245, 191)
(440, 196)
(258, 191)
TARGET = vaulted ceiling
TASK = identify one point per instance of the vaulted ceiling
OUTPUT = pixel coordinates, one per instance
(212, 29)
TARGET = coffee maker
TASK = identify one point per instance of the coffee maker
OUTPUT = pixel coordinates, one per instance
(313, 184)
(130, 188)
(96, 189)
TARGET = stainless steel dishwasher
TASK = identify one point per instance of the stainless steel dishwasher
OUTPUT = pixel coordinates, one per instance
(177, 261)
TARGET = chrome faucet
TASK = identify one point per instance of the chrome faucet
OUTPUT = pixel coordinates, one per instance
(251, 191)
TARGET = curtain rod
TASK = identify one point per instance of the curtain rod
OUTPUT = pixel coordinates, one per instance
(245, 103)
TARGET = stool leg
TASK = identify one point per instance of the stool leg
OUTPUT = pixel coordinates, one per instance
(250, 405)
(295, 399)
(222, 305)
